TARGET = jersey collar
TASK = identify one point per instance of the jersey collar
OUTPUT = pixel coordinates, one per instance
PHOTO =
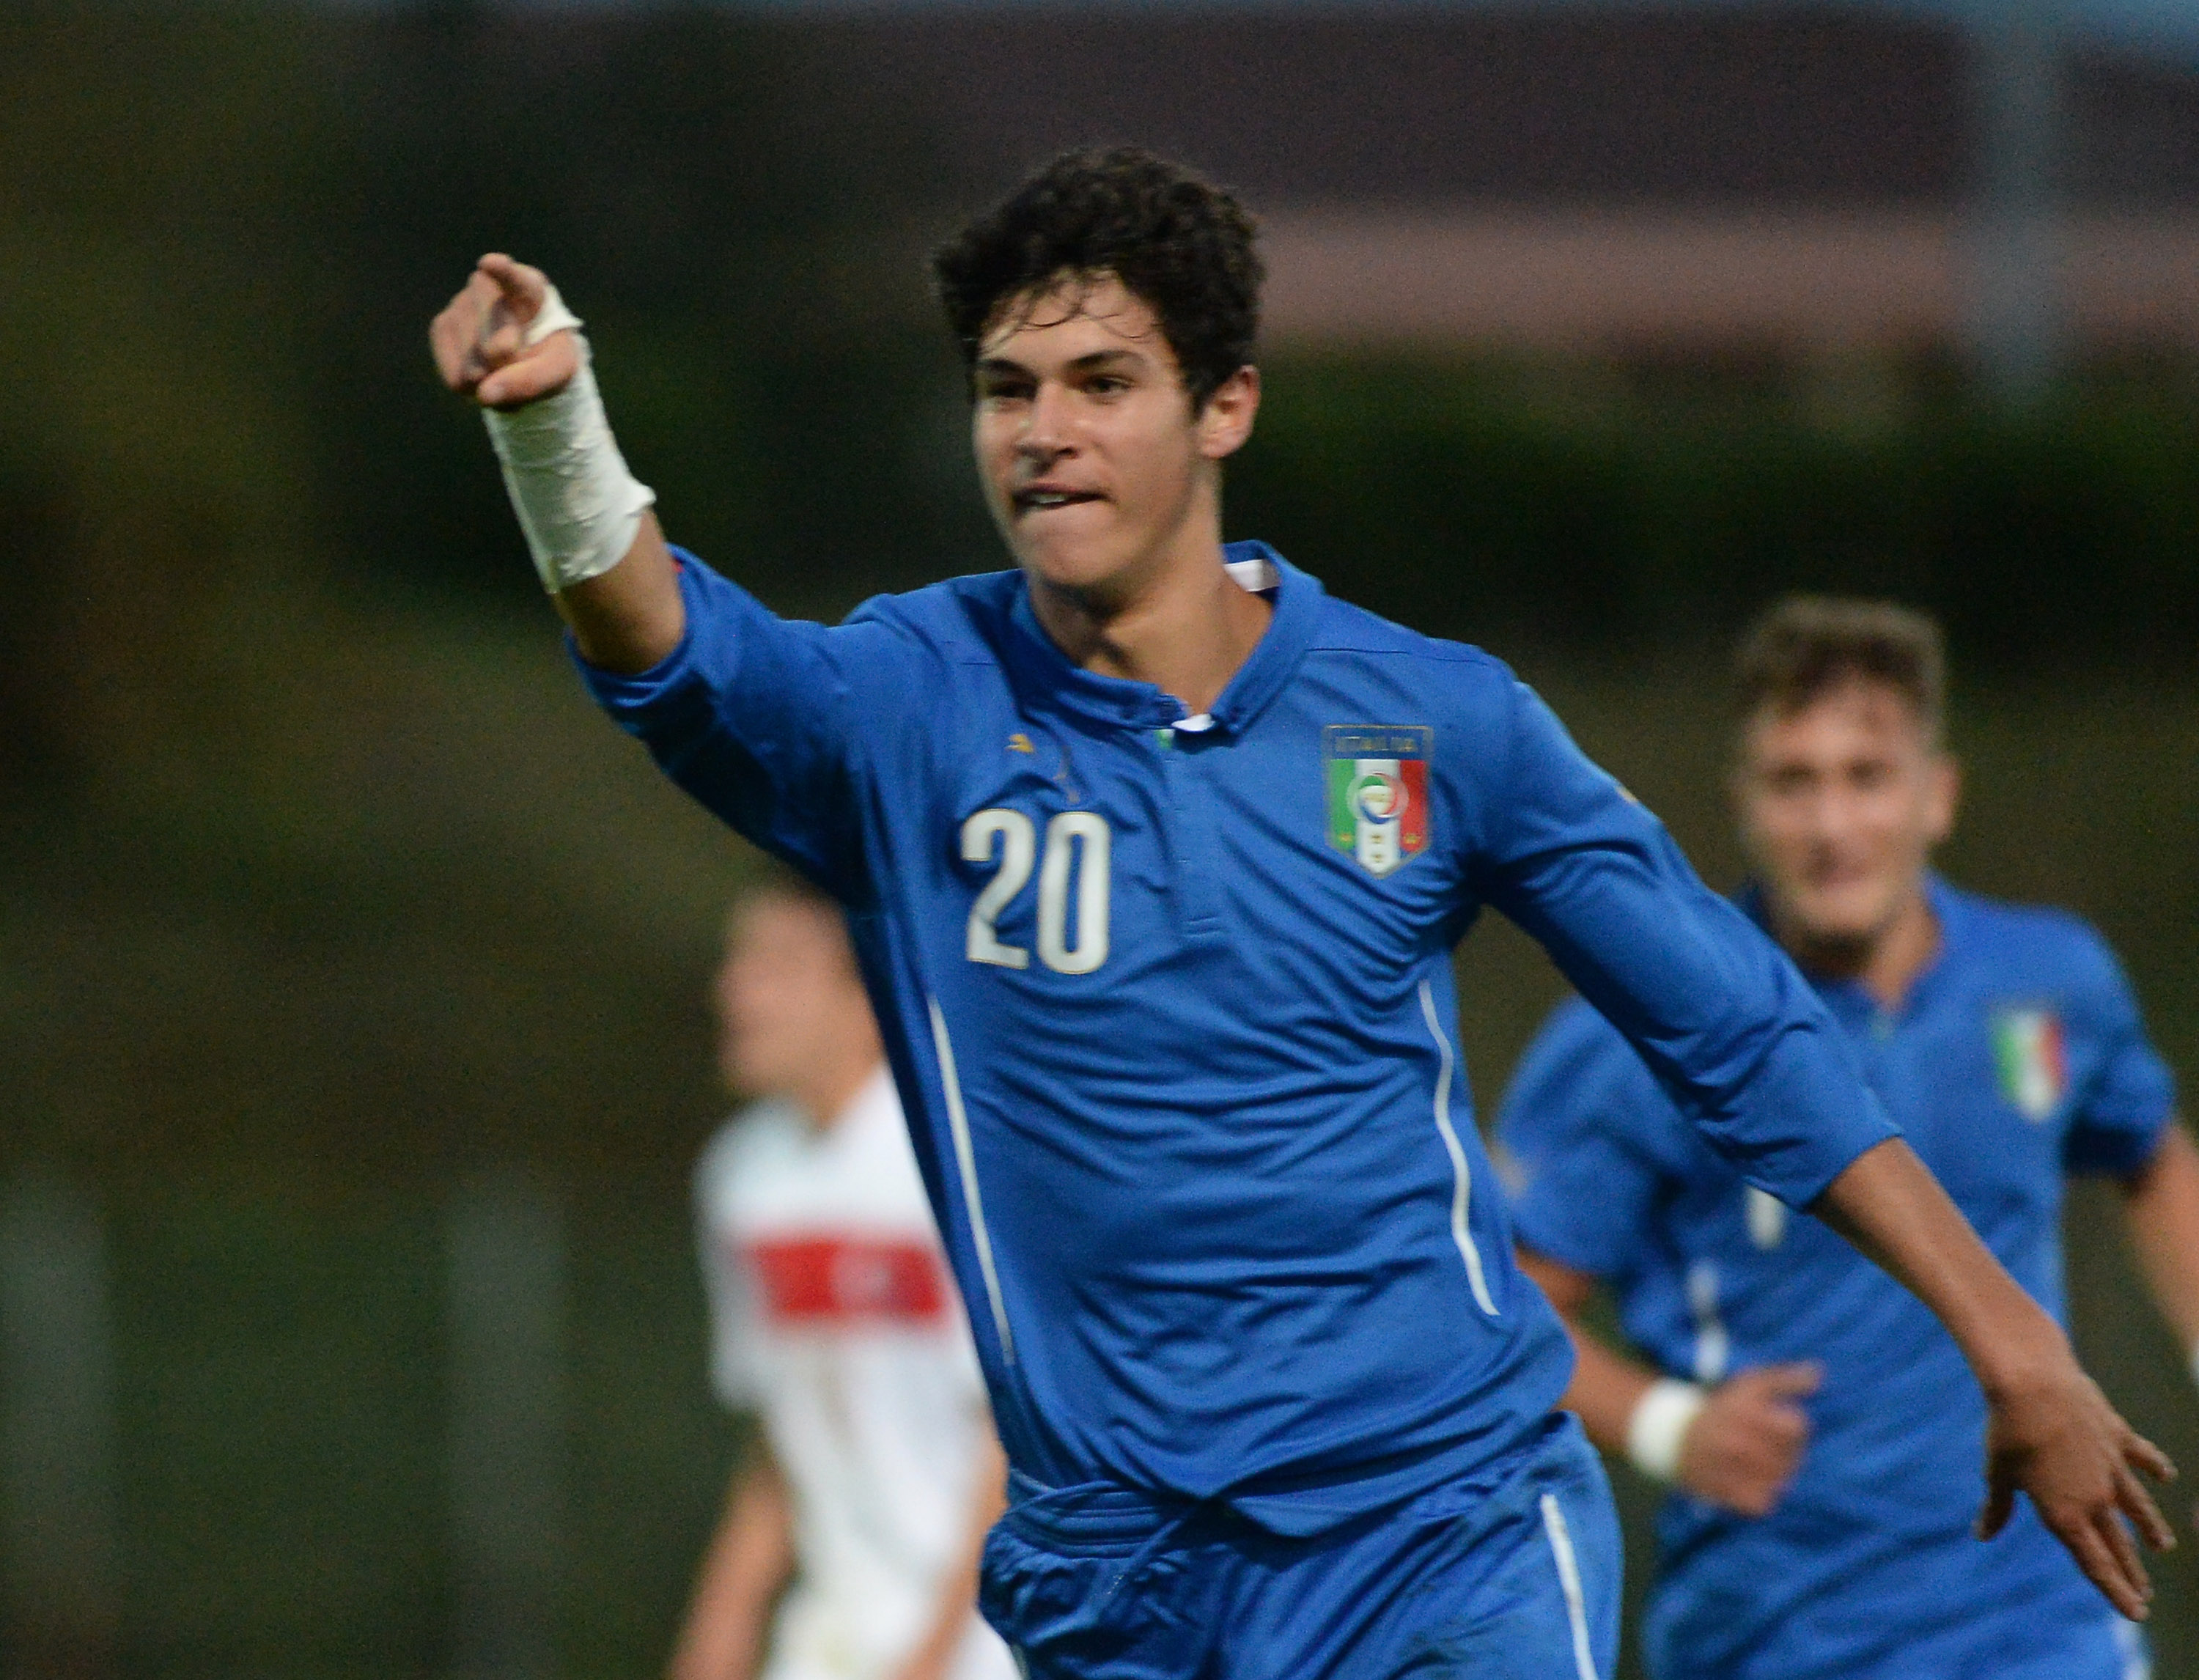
(1114, 700)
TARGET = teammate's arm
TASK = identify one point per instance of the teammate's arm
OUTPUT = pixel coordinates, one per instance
(628, 615)
(1736, 1444)
(751, 1560)
(2051, 1433)
(2161, 1200)
(933, 1658)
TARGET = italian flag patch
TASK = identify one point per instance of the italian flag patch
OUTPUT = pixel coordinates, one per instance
(1378, 792)
(2032, 1058)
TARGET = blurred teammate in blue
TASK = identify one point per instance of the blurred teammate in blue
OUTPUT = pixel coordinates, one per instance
(1154, 855)
(1823, 1431)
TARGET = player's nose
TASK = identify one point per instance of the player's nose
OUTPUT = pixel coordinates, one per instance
(1047, 427)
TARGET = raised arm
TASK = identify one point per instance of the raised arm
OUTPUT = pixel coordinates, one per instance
(508, 342)
(758, 717)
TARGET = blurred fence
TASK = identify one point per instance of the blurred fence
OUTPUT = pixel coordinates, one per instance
(457, 1436)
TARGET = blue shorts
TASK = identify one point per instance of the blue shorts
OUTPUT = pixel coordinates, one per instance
(1519, 1583)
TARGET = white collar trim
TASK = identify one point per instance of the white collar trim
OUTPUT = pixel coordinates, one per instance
(1256, 576)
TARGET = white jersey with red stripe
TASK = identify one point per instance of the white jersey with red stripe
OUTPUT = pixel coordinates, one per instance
(834, 1318)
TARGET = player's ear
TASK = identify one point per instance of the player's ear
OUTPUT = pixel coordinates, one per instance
(1226, 421)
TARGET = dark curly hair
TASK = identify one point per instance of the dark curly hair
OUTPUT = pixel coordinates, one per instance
(1181, 244)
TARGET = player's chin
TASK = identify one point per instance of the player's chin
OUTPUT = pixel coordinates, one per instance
(1846, 917)
(1074, 560)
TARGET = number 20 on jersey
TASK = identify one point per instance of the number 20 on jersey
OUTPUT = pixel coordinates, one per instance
(1078, 847)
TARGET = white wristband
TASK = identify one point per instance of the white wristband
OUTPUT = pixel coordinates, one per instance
(1658, 1425)
(576, 501)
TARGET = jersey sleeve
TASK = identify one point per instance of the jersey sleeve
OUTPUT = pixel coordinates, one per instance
(755, 716)
(2129, 1095)
(1584, 1131)
(1722, 1018)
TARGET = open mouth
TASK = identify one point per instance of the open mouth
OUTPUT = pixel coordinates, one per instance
(1042, 500)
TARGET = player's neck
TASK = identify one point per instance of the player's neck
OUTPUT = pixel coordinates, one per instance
(1885, 963)
(1183, 624)
(829, 1089)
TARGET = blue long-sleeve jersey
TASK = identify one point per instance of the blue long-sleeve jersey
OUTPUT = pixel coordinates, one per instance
(1172, 1015)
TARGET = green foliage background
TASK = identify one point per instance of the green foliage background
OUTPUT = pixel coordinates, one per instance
(321, 889)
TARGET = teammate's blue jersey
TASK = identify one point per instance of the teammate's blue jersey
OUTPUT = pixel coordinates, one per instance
(2016, 1059)
(1172, 1016)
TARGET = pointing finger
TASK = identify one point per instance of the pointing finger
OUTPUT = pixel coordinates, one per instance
(521, 288)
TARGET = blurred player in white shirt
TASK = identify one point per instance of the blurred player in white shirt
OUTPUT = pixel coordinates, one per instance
(876, 1472)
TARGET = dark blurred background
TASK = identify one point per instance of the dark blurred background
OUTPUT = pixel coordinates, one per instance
(352, 1050)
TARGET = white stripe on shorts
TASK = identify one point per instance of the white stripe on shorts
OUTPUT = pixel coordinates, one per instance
(1561, 1549)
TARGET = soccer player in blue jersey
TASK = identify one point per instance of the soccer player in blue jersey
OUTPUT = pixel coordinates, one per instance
(1822, 1430)
(1154, 854)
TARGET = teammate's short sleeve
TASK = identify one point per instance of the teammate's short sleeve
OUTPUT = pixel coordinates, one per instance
(755, 716)
(728, 1290)
(2129, 1095)
(1723, 1019)
(1583, 1133)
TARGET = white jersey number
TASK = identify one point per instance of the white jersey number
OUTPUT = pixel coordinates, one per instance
(1078, 844)
(1018, 848)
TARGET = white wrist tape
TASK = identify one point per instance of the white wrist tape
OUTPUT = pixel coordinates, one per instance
(577, 503)
(1659, 1426)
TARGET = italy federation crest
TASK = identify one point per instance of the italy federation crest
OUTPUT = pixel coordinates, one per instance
(1378, 792)
(2033, 1060)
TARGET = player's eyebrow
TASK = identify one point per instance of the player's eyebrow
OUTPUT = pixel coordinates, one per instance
(1002, 367)
(1100, 359)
